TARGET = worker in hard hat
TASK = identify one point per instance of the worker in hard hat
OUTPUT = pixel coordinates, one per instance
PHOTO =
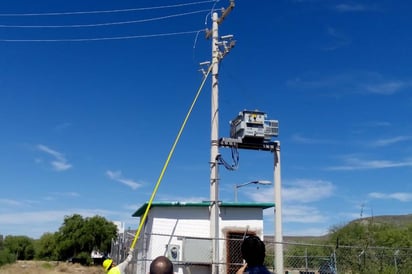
(111, 268)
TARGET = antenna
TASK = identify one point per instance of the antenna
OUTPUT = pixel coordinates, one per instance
(361, 211)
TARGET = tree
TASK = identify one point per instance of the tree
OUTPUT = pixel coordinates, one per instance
(80, 235)
(47, 247)
(21, 246)
(6, 256)
(373, 247)
(69, 237)
(101, 233)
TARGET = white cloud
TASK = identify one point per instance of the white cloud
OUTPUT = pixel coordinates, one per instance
(71, 194)
(305, 191)
(303, 217)
(35, 223)
(400, 196)
(62, 126)
(305, 140)
(352, 7)
(9, 202)
(60, 166)
(338, 40)
(132, 207)
(59, 163)
(167, 197)
(54, 153)
(300, 191)
(352, 163)
(262, 196)
(296, 196)
(19, 218)
(117, 176)
(390, 141)
(386, 88)
(302, 214)
(360, 82)
(306, 231)
(66, 194)
(378, 124)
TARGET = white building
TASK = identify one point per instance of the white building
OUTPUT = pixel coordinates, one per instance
(181, 231)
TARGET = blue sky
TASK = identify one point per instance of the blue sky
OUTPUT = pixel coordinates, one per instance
(90, 107)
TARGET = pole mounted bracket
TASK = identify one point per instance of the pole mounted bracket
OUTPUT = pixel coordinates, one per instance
(239, 143)
(204, 65)
(226, 45)
(225, 13)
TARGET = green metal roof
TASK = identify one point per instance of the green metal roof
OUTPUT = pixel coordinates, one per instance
(140, 211)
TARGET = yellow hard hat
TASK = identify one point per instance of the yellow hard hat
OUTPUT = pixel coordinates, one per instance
(107, 263)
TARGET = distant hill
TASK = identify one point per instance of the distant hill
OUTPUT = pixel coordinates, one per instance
(397, 220)
(296, 239)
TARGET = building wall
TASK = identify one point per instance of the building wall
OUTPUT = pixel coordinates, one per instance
(169, 224)
(244, 221)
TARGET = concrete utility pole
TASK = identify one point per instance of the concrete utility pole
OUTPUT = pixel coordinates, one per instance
(214, 150)
(278, 211)
(217, 55)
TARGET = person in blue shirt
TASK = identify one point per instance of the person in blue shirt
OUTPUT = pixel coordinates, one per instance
(253, 252)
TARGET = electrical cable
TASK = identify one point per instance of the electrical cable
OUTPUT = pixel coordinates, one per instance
(211, 11)
(235, 159)
(104, 11)
(149, 204)
(104, 38)
(105, 24)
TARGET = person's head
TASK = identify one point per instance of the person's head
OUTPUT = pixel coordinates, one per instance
(108, 264)
(253, 250)
(161, 265)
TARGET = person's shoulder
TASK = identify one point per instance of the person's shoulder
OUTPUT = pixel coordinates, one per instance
(257, 270)
(114, 270)
(266, 271)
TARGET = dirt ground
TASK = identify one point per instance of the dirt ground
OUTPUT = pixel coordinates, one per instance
(41, 267)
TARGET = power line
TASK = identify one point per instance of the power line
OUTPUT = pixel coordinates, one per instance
(104, 38)
(105, 24)
(105, 11)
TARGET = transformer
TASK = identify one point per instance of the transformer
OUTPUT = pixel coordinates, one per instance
(252, 126)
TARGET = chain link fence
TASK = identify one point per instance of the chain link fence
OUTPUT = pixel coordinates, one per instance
(194, 255)
(329, 259)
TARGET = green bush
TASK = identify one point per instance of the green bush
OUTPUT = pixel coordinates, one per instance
(86, 257)
(6, 257)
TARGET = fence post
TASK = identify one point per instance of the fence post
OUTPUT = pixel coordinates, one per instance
(306, 259)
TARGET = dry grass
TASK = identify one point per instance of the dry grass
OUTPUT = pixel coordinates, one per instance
(42, 267)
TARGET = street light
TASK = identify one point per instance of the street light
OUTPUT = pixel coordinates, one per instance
(259, 182)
